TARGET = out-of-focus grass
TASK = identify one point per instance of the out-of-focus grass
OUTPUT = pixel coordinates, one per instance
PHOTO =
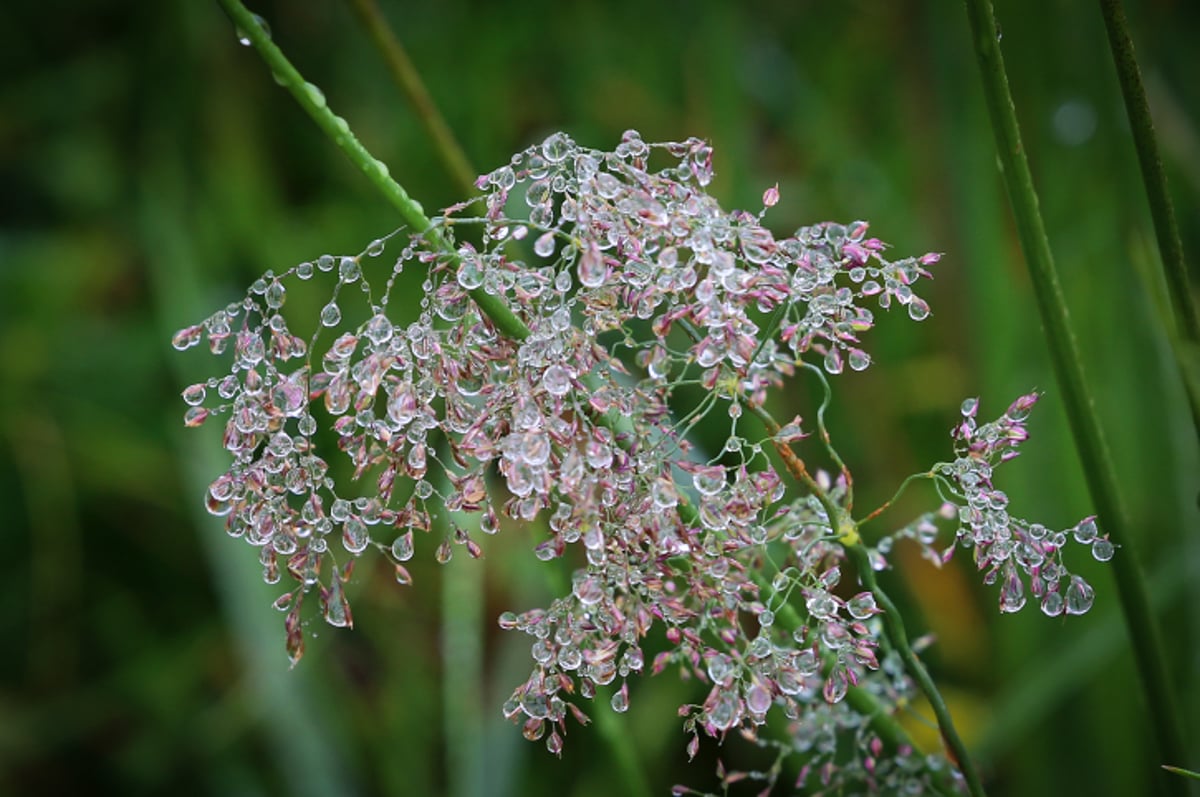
(151, 169)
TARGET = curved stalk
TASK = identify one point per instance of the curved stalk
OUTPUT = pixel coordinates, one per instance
(1085, 424)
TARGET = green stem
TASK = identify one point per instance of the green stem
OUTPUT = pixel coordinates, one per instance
(338, 130)
(1146, 142)
(1185, 335)
(847, 531)
(409, 80)
(1064, 351)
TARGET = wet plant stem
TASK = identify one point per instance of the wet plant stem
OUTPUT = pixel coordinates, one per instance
(1068, 367)
(847, 532)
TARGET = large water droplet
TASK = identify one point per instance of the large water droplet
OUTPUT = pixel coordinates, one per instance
(620, 699)
(544, 245)
(355, 536)
(244, 37)
(1080, 596)
(402, 547)
(331, 314)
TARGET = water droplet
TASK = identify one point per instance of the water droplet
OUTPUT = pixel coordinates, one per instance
(331, 314)
(833, 361)
(1086, 531)
(556, 147)
(1103, 550)
(194, 394)
(337, 608)
(1080, 596)
(325, 262)
(187, 337)
(244, 37)
(444, 553)
(620, 699)
(1052, 604)
(918, 309)
(355, 536)
(375, 248)
(195, 416)
(544, 245)
(402, 547)
(858, 359)
(709, 480)
(470, 273)
(315, 94)
(592, 271)
(379, 329)
(556, 380)
(304, 270)
(349, 270)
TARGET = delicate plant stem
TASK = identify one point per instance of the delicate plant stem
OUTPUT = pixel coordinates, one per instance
(338, 130)
(1146, 142)
(409, 81)
(846, 529)
(1186, 332)
(1085, 425)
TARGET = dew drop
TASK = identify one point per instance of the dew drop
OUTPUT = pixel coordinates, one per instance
(315, 94)
(187, 337)
(1052, 604)
(470, 273)
(556, 380)
(1080, 596)
(556, 147)
(375, 248)
(1086, 531)
(402, 547)
(444, 553)
(1103, 550)
(331, 314)
(194, 394)
(349, 270)
(325, 262)
(544, 245)
(355, 536)
(918, 309)
(244, 37)
(620, 699)
(592, 271)
(858, 359)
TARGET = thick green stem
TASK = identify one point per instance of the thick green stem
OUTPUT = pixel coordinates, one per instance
(338, 130)
(1081, 412)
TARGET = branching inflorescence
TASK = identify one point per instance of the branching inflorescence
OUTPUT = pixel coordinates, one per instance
(647, 308)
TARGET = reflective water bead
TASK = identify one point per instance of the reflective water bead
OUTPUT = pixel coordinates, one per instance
(918, 309)
(470, 273)
(556, 380)
(379, 329)
(556, 147)
(355, 536)
(592, 270)
(544, 245)
(1103, 550)
(331, 314)
(859, 360)
(620, 699)
(349, 269)
(1080, 596)
(375, 248)
(244, 37)
(325, 262)
(194, 394)
(187, 337)
(275, 295)
(402, 547)
(1086, 531)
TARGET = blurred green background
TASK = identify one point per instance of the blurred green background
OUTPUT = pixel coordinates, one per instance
(150, 169)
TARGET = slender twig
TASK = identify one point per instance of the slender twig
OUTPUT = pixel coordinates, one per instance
(409, 80)
(1185, 334)
(1162, 211)
(847, 531)
(1064, 351)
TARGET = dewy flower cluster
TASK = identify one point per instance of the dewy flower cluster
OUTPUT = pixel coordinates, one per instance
(643, 308)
